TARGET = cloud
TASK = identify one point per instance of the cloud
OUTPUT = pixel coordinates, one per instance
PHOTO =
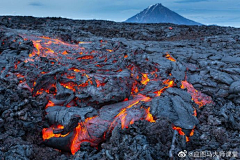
(190, 1)
(36, 4)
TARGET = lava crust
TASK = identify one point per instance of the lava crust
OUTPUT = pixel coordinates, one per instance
(75, 89)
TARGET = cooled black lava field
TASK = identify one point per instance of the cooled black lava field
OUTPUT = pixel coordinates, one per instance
(96, 90)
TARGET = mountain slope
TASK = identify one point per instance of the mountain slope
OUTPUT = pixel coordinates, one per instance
(159, 14)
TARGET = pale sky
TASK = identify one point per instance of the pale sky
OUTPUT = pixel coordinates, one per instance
(219, 12)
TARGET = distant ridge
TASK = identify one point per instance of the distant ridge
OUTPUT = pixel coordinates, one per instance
(159, 14)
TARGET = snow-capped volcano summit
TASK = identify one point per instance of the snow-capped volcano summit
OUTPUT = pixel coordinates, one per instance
(159, 14)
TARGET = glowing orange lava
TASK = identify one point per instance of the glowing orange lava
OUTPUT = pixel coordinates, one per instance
(132, 110)
(50, 104)
(145, 79)
(169, 83)
(85, 57)
(169, 57)
(81, 131)
(65, 53)
(84, 42)
(182, 133)
(199, 98)
(109, 50)
(149, 116)
(48, 132)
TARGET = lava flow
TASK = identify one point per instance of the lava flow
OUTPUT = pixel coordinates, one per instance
(91, 92)
(127, 116)
(199, 98)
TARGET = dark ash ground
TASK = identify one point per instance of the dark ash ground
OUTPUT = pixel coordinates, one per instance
(211, 54)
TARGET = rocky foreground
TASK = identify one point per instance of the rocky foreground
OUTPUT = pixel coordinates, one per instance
(208, 57)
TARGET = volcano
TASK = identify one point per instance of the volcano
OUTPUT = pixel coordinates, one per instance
(159, 14)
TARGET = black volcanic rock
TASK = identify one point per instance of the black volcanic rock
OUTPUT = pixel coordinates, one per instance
(159, 14)
(206, 56)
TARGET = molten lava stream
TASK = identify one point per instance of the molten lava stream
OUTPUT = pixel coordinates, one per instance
(94, 129)
(145, 79)
(199, 98)
(48, 47)
(85, 131)
(169, 83)
(169, 57)
(48, 132)
(179, 130)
